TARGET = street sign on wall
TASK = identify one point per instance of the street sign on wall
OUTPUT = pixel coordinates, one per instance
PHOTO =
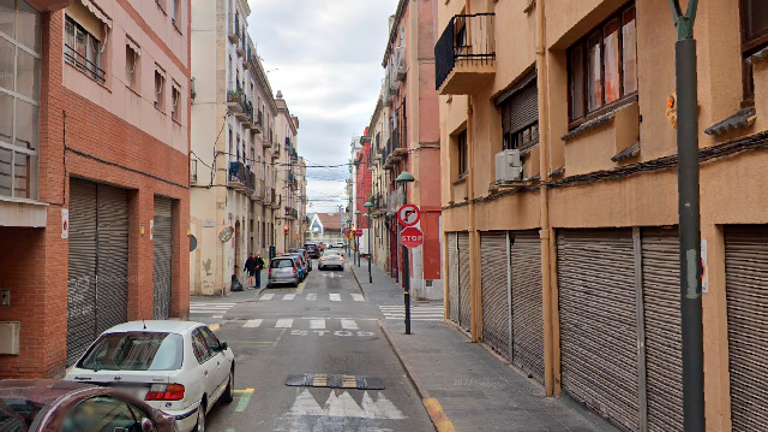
(411, 237)
(408, 215)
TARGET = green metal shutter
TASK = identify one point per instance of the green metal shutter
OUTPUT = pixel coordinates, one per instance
(162, 273)
(746, 279)
(663, 340)
(527, 304)
(465, 308)
(598, 322)
(494, 257)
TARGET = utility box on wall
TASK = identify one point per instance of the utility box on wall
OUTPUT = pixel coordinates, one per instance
(9, 337)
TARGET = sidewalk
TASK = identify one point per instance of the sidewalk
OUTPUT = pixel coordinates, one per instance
(476, 390)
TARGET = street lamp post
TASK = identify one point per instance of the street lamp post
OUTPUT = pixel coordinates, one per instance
(404, 178)
(368, 205)
(357, 241)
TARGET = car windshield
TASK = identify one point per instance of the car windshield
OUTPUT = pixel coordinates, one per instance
(283, 263)
(17, 413)
(135, 351)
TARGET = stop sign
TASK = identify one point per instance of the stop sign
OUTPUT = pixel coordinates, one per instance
(412, 237)
(359, 233)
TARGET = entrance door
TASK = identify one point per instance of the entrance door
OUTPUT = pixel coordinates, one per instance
(162, 270)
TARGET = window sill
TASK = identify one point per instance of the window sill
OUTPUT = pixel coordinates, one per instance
(605, 116)
(160, 110)
(178, 123)
(461, 180)
(133, 90)
(740, 120)
(178, 29)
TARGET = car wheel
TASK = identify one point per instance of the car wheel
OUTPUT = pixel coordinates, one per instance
(229, 392)
(200, 426)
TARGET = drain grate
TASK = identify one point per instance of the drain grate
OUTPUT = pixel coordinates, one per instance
(341, 381)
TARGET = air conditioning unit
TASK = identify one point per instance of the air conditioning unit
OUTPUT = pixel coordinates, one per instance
(509, 167)
(399, 66)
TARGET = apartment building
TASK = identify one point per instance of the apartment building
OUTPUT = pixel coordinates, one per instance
(235, 146)
(410, 109)
(380, 214)
(289, 168)
(362, 170)
(559, 198)
(94, 178)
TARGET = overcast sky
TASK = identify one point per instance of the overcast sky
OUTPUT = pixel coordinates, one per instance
(325, 56)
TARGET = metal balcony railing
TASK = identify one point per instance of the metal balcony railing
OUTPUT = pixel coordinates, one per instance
(81, 62)
(467, 37)
(238, 175)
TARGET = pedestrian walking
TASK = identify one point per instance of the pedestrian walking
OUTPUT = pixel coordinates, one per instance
(259, 267)
(250, 267)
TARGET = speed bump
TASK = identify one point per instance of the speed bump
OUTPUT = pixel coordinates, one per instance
(340, 381)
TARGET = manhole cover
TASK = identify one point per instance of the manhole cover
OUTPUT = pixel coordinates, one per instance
(343, 381)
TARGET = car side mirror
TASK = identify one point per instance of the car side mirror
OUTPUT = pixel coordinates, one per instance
(147, 425)
(224, 346)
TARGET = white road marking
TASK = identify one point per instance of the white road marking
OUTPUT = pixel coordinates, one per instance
(347, 324)
(312, 297)
(253, 323)
(345, 406)
(267, 297)
(335, 297)
(284, 323)
(317, 324)
(217, 316)
(357, 297)
(289, 296)
(418, 313)
(305, 404)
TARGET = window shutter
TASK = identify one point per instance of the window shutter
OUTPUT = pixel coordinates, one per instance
(521, 109)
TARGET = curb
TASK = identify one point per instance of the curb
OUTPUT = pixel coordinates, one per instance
(357, 281)
(436, 414)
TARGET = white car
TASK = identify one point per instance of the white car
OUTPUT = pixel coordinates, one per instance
(338, 244)
(178, 367)
(331, 259)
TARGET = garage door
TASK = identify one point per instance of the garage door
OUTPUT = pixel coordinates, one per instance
(97, 297)
(598, 322)
(163, 258)
(746, 279)
(465, 309)
(453, 277)
(494, 257)
(527, 317)
(663, 340)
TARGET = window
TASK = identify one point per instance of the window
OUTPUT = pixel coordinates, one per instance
(102, 413)
(176, 102)
(754, 38)
(175, 13)
(520, 114)
(83, 50)
(200, 347)
(135, 352)
(461, 140)
(132, 53)
(602, 67)
(20, 36)
(159, 88)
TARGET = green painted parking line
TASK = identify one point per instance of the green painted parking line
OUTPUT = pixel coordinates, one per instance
(244, 401)
(230, 430)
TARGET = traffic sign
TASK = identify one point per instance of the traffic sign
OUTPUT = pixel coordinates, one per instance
(408, 215)
(359, 233)
(412, 237)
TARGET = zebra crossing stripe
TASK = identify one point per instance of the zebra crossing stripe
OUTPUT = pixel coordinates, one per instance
(335, 297)
(347, 324)
(289, 296)
(267, 297)
(284, 323)
(317, 324)
(253, 323)
(312, 297)
(357, 297)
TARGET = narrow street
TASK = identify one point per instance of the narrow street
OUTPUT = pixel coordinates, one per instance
(323, 327)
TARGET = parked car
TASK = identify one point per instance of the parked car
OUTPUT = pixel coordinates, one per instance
(331, 259)
(338, 245)
(179, 367)
(60, 406)
(305, 254)
(313, 249)
(284, 270)
(304, 264)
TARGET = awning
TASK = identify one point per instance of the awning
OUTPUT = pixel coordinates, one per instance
(132, 46)
(160, 71)
(97, 12)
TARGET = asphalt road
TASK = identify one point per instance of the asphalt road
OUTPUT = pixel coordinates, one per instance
(323, 327)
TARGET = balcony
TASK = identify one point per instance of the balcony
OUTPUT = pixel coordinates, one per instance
(235, 101)
(237, 177)
(246, 111)
(258, 192)
(291, 213)
(267, 140)
(257, 122)
(465, 55)
(272, 199)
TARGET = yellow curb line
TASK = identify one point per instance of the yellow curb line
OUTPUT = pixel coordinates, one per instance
(214, 327)
(439, 418)
(248, 390)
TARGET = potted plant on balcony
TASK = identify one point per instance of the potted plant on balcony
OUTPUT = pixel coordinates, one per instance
(234, 96)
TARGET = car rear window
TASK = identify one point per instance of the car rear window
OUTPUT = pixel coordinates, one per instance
(135, 351)
(330, 253)
(283, 263)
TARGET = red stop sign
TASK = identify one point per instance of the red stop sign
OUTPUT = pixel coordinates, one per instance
(412, 237)
(359, 233)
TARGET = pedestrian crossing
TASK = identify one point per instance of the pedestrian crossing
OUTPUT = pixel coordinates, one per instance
(216, 310)
(334, 297)
(311, 323)
(418, 313)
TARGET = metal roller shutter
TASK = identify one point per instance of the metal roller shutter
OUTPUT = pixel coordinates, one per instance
(663, 340)
(453, 277)
(598, 322)
(527, 304)
(81, 285)
(465, 308)
(163, 257)
(494, 257)
(746, 276)
(112, 294)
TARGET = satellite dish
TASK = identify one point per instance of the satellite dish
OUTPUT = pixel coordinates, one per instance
(192, 243)
(226, 234)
